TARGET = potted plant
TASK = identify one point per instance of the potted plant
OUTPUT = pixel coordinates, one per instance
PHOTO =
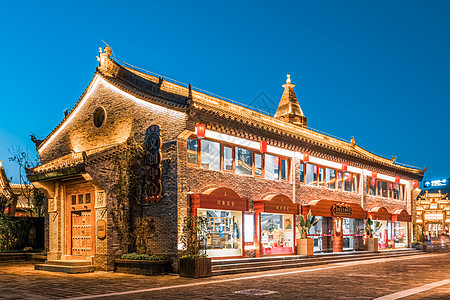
(305, 245)
(371, 229)
(194, 261)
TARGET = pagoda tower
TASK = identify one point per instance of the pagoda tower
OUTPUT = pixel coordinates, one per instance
(289, 109)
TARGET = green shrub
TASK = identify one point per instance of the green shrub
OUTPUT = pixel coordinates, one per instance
(135, 256)
(416, 243)
(14, 232)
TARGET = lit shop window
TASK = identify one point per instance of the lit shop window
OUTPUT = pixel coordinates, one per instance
(244, 161)
(192, 148)
(302, 173)
(330, 175)
(210, 155)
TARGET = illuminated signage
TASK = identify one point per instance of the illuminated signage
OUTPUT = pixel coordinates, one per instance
(435, 183)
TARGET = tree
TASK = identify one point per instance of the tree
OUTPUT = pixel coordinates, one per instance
(35, 198)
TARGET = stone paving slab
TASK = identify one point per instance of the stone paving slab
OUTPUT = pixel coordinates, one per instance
(360, 280)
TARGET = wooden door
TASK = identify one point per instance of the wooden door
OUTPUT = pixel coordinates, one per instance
(81, 233)
(80, 224)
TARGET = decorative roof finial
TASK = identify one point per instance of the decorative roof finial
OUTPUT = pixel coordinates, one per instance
(288, 80)
(1, 163)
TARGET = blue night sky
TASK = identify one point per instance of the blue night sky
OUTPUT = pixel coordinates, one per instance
(375, 70)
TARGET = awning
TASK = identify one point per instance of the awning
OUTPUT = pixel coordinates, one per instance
(330, 208)
(401, 215)
(380, 213)
(277, 204)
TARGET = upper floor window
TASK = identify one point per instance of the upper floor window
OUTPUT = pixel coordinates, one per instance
(316, 175)
(385, 189)
(218, 156)
(210, 155)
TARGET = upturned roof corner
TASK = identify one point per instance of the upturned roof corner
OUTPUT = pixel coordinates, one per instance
(289, 109)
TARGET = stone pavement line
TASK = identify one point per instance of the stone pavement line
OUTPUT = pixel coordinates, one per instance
(334, 266)
(414, 291)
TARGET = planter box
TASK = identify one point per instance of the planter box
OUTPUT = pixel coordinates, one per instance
(141, 267)
(372, 244)
(305, 247)
(420, 247)
(195, 267)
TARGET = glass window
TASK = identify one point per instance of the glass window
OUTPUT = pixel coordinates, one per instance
(385, 187)
(228, 159)
(80, 199)
(302, 173)
(321, 177)
(74, 199)
(224, 236)
(355, 182)
(210, 155)
(87, 198)
(244, 161)
(258, 165)
(284, 169)
(276, 234)
(371, 189)
(271, 167)
(311, 174)
(192, 146)
(347, 182)
(330, 178)
(339, 180)
(379, 188)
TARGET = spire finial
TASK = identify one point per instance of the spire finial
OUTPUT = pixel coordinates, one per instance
(288, 79)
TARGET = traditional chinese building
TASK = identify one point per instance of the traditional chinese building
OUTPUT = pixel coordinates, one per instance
(16, 204)
(248, 173)
(432, 208)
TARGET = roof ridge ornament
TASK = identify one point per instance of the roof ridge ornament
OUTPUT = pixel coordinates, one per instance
(105, 62)
(289, 109)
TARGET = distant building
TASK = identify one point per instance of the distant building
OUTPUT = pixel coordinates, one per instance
(433, 208)
(17, 205)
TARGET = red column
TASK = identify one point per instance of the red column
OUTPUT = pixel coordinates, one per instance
(338, 241)
(257, 239)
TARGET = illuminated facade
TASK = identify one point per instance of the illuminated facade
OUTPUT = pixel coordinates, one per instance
(248, 173)
(432, 208)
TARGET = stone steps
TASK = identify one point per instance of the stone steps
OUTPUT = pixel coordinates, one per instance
(66, 266)
(245, 265)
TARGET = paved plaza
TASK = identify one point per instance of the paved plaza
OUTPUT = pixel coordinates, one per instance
(362, 280)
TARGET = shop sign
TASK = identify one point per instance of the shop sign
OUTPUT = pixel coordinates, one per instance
(341, 210)
(435, 183)
(153, 189)
(101, 229)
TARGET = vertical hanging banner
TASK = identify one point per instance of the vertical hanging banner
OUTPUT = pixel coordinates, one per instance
(153, 188)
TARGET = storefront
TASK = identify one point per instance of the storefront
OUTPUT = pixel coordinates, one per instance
(340, 227)
(384, 234)
(274, 220)
(401, 220)
(224, 211)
